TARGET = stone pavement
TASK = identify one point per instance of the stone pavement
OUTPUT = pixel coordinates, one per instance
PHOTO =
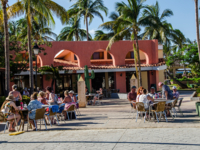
(107, 139)
(111, 126)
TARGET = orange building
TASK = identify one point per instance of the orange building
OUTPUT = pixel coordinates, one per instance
(112, 69)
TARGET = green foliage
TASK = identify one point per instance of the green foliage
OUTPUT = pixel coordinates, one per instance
(87, 77)
(198, 95)
(198, 91)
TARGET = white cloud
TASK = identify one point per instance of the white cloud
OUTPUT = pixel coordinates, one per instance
(92, 31)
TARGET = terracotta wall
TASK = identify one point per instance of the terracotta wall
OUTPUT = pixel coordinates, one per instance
(85, 49)
(121, 81)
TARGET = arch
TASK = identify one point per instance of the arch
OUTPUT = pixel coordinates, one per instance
(130, 57)
(40, 60)
(68, 55)
(103, 57)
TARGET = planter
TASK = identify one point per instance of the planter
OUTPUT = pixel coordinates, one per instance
(198, 108)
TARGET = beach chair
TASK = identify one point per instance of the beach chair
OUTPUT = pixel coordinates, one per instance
(52, 114)
(179, 106)
(71, 110)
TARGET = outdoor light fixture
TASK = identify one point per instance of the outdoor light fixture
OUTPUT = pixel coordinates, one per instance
(36, 49)
(151, 72)
(36, 52)
(121, 74)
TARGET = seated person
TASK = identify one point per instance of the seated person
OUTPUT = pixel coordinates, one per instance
(42, 98)
(100, 92)
(132, 96)
(67, 98)
(152, 93)
(73, 97)
(175, 92)
(25, 92)
(86, 91)
(32, 106)
(145, 99)
(6, 108)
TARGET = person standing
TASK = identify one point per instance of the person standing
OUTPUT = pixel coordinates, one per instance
(17, 95)
(132, 96)
(166, 92)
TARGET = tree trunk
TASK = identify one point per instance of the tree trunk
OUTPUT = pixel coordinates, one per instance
(197, 25)
(87, 29)
(7, 51)
(183, 86)
(138, 55)
(30, 59)
(52, 83)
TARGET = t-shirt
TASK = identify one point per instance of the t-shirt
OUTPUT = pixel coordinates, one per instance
(132, 96)
(153, 95)
(143, 99)
(166, 88)
(176, 94)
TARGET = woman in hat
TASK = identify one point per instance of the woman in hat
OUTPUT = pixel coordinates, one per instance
(16, 94)
(7, 109)
(71, 94)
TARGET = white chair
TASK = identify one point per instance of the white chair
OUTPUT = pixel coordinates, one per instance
(77, 109)
(140, 109)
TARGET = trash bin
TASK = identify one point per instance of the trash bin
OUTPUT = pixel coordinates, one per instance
(198, 108)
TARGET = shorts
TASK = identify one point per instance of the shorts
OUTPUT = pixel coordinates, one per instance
(17, 103)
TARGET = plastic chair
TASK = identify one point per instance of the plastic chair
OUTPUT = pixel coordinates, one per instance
(77, 109)
(39, 115)
(140, 109)
(132, 108)
(160, 110)
(70, 110)
(3, 119)
(179, 105)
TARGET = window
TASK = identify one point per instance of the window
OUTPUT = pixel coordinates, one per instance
(98, 55)
(109, 56)
(75, 58)
(130, 55)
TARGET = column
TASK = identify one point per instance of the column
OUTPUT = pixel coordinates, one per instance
(106, 80)
(81, 93)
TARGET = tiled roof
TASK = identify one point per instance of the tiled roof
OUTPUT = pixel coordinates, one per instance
(74, 66)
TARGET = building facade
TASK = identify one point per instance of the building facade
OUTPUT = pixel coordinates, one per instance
(113, 69)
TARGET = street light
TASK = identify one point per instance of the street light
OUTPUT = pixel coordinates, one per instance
(36, 52)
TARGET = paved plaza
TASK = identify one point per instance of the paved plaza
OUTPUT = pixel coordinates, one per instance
(111, 126)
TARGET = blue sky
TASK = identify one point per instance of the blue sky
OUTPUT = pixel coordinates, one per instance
(183, 18)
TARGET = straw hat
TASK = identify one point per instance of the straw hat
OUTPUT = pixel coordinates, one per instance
(10, 98)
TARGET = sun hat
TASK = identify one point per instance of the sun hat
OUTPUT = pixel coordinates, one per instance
(160, 83)
(133, 87)
(10, 97)
(152, 87)
(14, 86)
(174, 87)
(71, 92)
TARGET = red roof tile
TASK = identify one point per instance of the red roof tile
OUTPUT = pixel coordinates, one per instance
(67, 65)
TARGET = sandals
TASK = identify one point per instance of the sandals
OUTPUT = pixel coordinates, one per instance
(12, 130)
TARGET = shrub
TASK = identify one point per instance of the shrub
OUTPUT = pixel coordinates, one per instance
(198, 90)
(198, 95)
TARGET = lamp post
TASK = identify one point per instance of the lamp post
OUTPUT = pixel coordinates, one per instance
(36, 51)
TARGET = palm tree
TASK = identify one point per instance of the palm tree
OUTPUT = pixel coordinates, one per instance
(39, 32)
(131, 21)
(7, 51)
(52, 71)
(197, 25)
(41, 10)
(87, 9)
(156, 25)
(73, 31)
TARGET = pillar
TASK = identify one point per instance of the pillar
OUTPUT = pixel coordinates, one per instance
(106, 80)
(133, 82)
(121, 81)
(81, 93)
(144, 79)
